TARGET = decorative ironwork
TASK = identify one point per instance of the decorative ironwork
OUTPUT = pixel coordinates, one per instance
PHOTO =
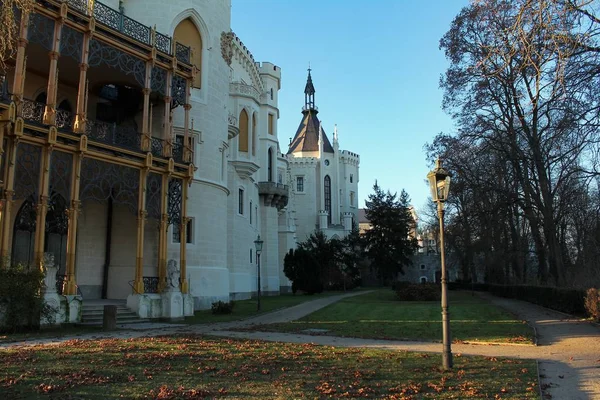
(157, 146)
(183, 53)
(113, 134)
(174, 203)
(101, 180)
(102, 53)
(158, 80)
(135, 30)
(107, 16)
(178, 151)
(150, 284)
(80, 5)
(32, 111)
(25, 220)
(162, 43)
(153, 192)
(57, 220)
(61, 167)
(27, 171)
(178, 87)
(41, 31)
(71, 43)
(64, 119)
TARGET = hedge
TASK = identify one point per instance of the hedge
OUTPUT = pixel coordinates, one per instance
(570, 301)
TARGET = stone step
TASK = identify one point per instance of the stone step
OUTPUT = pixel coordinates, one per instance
(119, 322)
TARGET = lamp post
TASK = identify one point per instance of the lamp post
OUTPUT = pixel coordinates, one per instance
(439, 183)
(258, 244)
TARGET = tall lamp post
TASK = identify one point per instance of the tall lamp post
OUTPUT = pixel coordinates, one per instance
(258, 244)
(439, 183)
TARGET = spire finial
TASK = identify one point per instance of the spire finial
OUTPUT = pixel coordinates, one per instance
(309, 92)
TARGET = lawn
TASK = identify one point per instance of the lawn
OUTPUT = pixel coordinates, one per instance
(195, 367)
(378, 315)
(54, 332)
(247, 308)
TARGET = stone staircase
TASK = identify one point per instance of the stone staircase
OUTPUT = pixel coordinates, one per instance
(92, 314)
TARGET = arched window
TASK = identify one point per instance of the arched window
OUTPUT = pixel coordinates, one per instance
(327, 192)
(270, 165)
(187, 34)
(423, 279)
(254, 134)
(243, 136)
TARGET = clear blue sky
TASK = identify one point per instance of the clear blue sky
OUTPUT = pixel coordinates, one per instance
(375, 66)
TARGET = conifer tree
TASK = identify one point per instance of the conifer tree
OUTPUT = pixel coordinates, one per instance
(389, 243)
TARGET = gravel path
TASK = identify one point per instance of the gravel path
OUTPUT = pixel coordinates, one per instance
(568, 349)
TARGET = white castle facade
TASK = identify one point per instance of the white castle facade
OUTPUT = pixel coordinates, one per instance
(200, 115)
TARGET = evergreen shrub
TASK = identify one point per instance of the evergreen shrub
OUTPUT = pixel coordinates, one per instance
(222, 307)
(21, 300)
(406, 291)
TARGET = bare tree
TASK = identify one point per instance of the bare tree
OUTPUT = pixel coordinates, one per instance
(9, 27)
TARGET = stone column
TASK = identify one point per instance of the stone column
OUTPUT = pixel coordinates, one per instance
(18, 82)
(146, 134)
(183, 235)
(42, 205)
(138, 284)
(50, 109)
(9, 193)
(162, 233)
(82, 93)
(70, 285)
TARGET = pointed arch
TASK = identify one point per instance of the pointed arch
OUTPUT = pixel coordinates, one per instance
(254, 117)
(327, 193)
(202, 53)
(188, 34)
(243, 136)
(24, 232)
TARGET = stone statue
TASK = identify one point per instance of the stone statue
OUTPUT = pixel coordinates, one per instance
(172, 276)
(50, 271)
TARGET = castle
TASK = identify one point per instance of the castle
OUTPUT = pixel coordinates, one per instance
(140, 140)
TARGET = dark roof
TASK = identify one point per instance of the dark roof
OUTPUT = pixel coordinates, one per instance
(362, 216)
(309, 88)
(307, 135)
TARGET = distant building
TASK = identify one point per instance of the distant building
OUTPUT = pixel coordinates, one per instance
(323, 178)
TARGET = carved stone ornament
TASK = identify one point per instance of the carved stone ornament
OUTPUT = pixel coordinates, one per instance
(172, 276)
(227, 46)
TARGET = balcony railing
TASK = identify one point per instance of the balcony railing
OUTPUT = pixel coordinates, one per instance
(64, 119)
(239, 88)
(157, 147)
(129, 27)
(33, 111)
(178, 152)
(113, 134)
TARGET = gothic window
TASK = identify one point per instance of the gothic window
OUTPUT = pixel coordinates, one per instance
(351, 178)
(250, 256)
(271, 124)
(327, 191)
(423, 279)
(254, 134)
(352, 198)
(299, 184)
(270, 165)
(422, 266)
(243, 136)
(271, 93)
(188, 232)
(187, 34)
(24, 232)
(241, 201)
(250, 212)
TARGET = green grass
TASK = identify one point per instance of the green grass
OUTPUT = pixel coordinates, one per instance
(378, 315)
(55, 332)
(195, 367)
(247, 308)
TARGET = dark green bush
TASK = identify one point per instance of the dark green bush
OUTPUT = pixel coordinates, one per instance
(570, 301)
(222, 307)
(592, 303)
(21, 302)
(417, 291)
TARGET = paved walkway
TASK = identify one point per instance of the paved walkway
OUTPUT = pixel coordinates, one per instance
(568, 349)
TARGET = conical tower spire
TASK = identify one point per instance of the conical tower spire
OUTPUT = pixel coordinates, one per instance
(309, 93)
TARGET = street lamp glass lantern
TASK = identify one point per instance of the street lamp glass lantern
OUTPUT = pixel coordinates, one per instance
(258, 244)
(439, 182)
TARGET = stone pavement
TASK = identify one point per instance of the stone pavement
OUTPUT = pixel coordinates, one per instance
(568, 349)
